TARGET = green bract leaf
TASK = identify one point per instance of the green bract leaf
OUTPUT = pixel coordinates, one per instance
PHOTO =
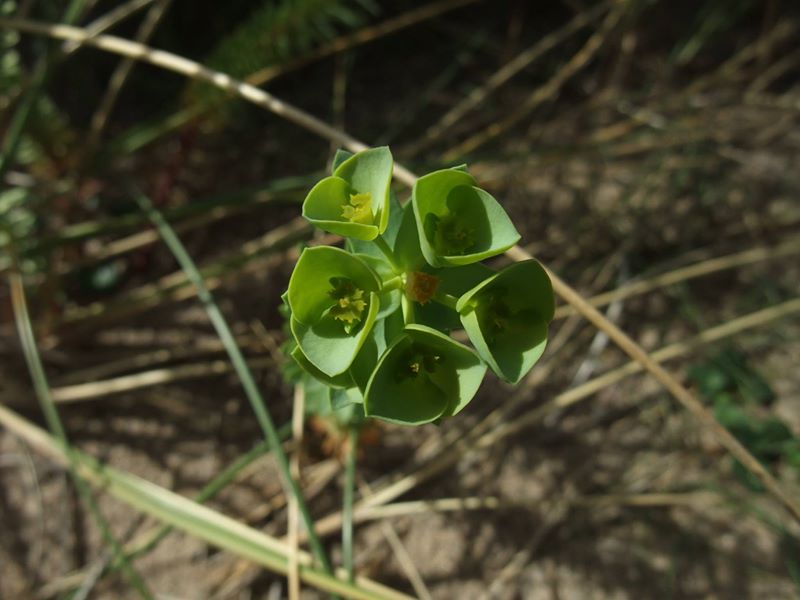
(334, 301)
(506, 318)
(343, 380)
(423, 376)
(340, 156)
(354, 201)
(457, 222)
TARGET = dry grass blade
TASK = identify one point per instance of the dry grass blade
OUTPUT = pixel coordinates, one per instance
(120, 74)
(505, 73)
(697, 270)
(107, 21)
(680, 393)
(544, 93)
(587, 389)
(198, 520)
(368, 34)
(126, 383)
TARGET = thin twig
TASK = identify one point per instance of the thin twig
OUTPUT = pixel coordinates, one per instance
(400, 552)
(544, 93)
(127, 383)
(523, 60)
(120, 75)
(706, 267)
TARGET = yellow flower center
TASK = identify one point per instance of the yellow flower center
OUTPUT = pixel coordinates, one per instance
(350, 302)
(359, 210)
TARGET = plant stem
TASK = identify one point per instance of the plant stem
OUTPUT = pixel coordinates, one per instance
(383, 246)
(447, 300)
(347, 508)
(395, 283)
(408, 309)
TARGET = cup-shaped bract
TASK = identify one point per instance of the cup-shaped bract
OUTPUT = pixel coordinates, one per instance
(334, 300)
(506, 318)
(423, 376)
(459, 223)
(354, 201)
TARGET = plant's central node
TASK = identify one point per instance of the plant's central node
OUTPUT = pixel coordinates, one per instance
(350, 302)
(453, 236)
(359, 210)
(421, 287)
(417, 361)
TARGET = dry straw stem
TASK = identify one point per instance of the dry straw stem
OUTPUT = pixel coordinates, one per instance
(120, 74)
(265, 100)
(127, 383)
(547, 91)
(401, 553)
(523, 60)
(107, 21)
(697, 270)
(213, 527)
(363, 36)
(591, 387)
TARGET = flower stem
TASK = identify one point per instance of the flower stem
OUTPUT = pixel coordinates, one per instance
(448, 300)
(395, 283)
(383, 246)
(408, 309)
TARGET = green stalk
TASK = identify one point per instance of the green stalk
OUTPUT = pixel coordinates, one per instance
(54, 423)
(383, 246)
(242, 370)
(347, 508)
(447, 300)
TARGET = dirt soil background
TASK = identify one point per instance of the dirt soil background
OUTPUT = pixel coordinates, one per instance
(658, 136)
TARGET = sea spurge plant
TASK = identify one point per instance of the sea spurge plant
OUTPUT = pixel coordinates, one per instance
(372, 322)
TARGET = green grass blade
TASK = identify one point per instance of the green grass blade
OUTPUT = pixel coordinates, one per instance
(202, 522)
(347, 504)
(53, 419)
(242, 370)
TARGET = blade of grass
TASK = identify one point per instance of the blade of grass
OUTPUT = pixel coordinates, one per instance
(149, 541)
(42, 388)
(202, 522)
(298, 417)
(242, 370)
(347, 503)
(120, 75)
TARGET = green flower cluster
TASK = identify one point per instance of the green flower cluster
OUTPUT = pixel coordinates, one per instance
(373, 321)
